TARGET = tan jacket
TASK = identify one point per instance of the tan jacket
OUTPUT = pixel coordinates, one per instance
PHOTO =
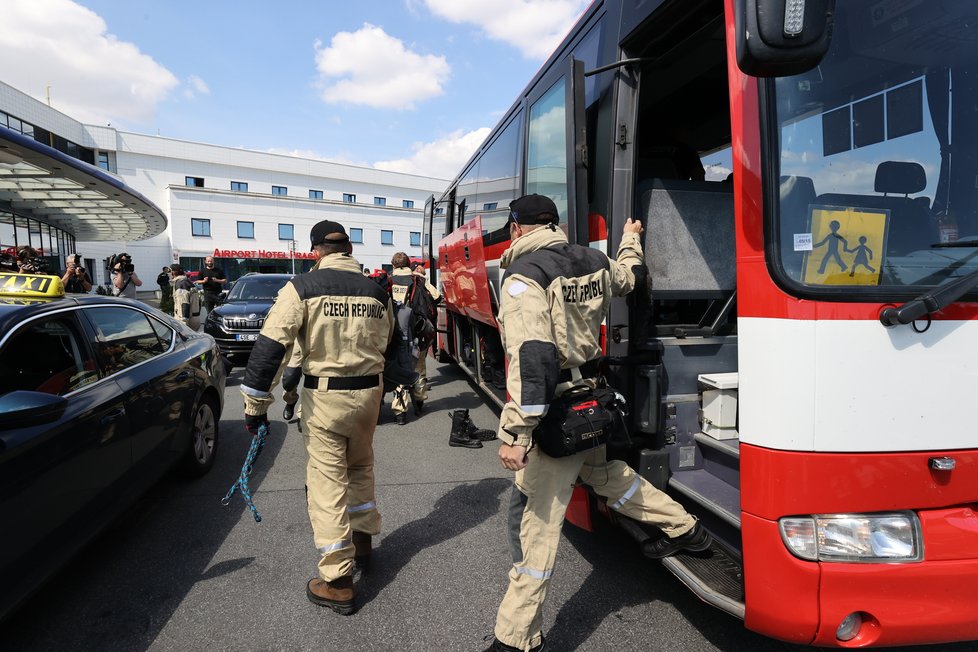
(399, 290)
(340, 318)
(554, 297)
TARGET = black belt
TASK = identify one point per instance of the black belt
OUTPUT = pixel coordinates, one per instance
(588, 370)
(341, 382)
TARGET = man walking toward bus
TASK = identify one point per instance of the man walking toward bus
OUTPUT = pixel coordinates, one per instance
(554, 297)
(343, 323)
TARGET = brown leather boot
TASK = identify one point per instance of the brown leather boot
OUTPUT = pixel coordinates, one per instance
(361, 543)
(337, 595)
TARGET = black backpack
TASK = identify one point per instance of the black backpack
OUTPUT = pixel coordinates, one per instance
(424, 311)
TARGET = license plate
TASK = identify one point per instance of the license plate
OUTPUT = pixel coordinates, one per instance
(246, 337)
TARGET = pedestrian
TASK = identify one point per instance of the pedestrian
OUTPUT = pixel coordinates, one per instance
(554, 297)
(76, 279)
(186, 301)
(404, 282)
(212, 280)
(343, 322)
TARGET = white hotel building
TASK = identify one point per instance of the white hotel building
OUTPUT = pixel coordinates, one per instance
(251, 210)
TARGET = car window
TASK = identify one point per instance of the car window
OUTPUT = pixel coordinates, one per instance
(256, 289)
(124, 337)
(164, 332)
(46, 355)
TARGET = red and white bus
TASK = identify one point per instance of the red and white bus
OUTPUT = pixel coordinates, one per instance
(802, 350)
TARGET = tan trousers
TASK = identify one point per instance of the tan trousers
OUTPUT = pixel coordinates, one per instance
(545, 487)
(418, 391)
(338, 427)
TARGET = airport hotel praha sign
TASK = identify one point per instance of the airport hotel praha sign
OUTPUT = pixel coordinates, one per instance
(262, 253)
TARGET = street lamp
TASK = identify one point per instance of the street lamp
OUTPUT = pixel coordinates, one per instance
(292, 254)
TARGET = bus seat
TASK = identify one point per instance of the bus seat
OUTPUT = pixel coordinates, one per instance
(689, 241)
(797, 196)
(911, 226)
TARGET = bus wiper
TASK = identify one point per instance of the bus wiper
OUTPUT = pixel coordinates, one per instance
(929, 302)
(957, 243)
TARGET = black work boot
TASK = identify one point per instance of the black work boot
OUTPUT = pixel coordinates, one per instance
(499, 646)
(362, 546)
(696, 540)
(401, 419)
(288, 412)
(418, 407)
(460, 431)
(337, 594)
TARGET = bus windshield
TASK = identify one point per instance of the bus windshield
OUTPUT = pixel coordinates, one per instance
(878, 152)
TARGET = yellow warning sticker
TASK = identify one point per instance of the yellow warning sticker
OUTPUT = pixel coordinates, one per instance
(847, 246)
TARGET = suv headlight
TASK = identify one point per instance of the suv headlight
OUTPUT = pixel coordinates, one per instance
(883, 537)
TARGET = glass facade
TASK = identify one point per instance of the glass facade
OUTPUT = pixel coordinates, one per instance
(52, 243)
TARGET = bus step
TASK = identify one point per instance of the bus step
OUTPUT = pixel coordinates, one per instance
(707, 490)
(715, 576)
(721, 457)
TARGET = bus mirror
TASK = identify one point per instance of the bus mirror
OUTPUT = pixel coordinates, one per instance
(778, 38)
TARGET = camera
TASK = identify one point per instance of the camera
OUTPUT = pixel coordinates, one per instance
(124, 261)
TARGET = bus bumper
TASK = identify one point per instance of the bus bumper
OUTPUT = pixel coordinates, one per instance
(933, 601)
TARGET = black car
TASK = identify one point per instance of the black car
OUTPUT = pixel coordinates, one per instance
(99, 398)
(236, 321)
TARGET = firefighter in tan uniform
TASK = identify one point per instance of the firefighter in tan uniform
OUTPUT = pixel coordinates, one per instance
(343, 321)
(554, 297)
(402, 280)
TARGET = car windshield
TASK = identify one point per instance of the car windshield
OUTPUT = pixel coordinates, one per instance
(257, 288)
(877, 176)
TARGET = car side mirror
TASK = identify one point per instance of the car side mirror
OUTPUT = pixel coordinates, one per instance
(23, 409)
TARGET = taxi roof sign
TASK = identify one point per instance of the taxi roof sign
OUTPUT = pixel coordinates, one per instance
(30, 285)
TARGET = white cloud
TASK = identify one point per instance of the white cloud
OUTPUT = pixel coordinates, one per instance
(373, 68)
(196, 85)
(534, 27)
(441, 159)
(94, 77)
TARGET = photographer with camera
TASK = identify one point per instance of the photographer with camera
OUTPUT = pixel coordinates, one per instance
(29, 261)
(124, 279)
(76, 279)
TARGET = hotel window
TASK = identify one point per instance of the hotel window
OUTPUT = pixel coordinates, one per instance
(349, 199)
(315, 194)
(280, 190)
(239, 186)
(246, 230)
(386, 237)
(415, 239)
(194, 182)
(356, 236)
(201, 228)
(407, 203)
(380, 201)
(490, 207)
(286, 232)
(103, 161)
(425, 239)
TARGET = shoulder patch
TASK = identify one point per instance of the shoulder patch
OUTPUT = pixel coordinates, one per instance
(517, 288)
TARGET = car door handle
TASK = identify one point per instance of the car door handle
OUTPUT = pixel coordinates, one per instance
(113, 415)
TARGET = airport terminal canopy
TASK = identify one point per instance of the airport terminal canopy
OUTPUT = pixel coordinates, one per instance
(40, 182)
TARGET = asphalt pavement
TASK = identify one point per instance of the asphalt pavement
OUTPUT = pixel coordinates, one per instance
(182, 572)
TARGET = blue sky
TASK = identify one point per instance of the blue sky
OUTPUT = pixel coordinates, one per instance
(405, 85)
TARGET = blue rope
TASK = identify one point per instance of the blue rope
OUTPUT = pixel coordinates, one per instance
(257, 443)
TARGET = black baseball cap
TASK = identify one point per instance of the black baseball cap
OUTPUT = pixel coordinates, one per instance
(328, 232)
(533, 209)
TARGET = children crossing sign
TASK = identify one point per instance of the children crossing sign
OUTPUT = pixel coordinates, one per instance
(847, 246)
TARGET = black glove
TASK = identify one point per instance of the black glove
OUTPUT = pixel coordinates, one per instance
(255, 421)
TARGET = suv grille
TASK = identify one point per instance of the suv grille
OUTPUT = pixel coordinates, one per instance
(241, 324)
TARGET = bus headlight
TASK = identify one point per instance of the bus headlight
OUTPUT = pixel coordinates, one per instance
(888, 537)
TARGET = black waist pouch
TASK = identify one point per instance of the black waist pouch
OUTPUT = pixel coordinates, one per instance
(580, 420)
